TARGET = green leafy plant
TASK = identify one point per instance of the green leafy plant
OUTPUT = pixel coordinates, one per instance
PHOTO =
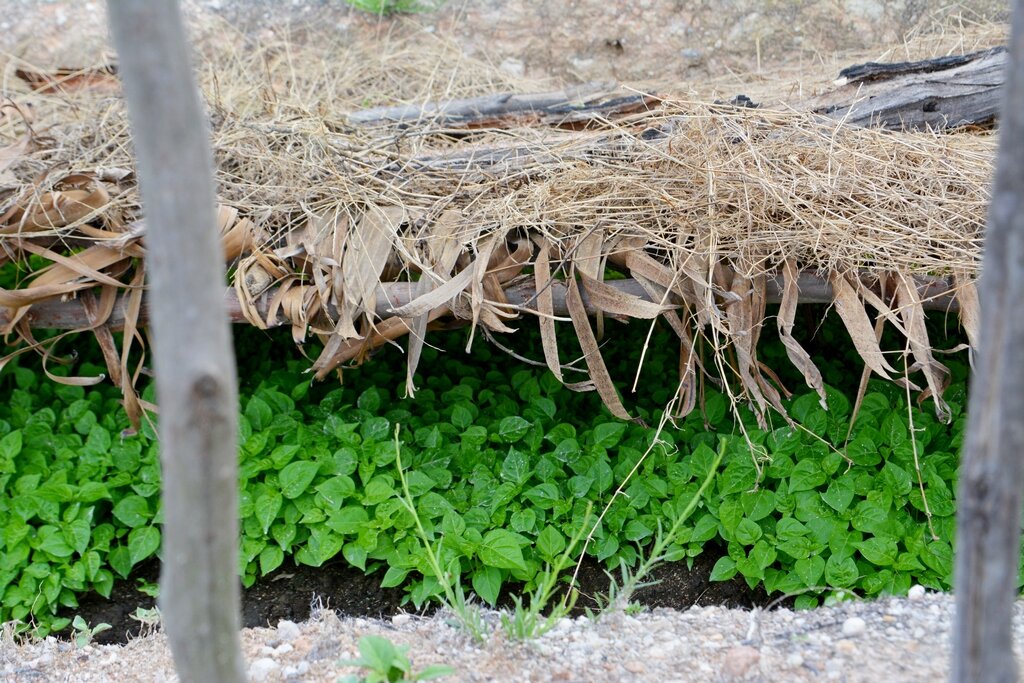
(83, 633)
(385, 663)
(386, 7)
(496, 471)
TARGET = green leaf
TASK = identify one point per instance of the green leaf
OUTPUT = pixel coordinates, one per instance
(501, 549)
(762, 554)
(132, 511)
(143, 542)
(730, 512)
(10, 446)
(870, 517)
(839, 494)
(296, 477)
(524, 521)
(513, 428)
(608, 434)
(879, 550)
(840, 573)
(394, 577)
(462, 416)
(810, 570)
(806, 476)
(336, 489)
(266, 508)
(758, 504)
(120, 561)
(77, 534)
(369, 400)
(348, 520)
(376, 429)
(637, 531)
(724, 569)
(487, 584)
(52, 542)
(516, 467)
(258, 413)
(705, 529)
(550, 543)
(748, 532)
(896, 479)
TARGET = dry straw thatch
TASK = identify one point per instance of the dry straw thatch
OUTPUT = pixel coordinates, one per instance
(708, 208)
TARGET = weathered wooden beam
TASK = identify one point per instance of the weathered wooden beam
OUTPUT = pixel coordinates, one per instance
(947, 92)
(936, 294)
(587, 102)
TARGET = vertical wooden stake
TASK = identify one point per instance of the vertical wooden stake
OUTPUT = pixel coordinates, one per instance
(989, 499)
(193, 357)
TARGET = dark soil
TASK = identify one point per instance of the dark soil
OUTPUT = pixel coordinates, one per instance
(291, 591)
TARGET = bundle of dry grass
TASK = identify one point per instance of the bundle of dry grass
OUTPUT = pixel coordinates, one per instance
(709, 208)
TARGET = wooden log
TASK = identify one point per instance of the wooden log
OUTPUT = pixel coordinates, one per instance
(197, 386)
(936, 293)
(947, 92)
(575, 106)
(991, 468)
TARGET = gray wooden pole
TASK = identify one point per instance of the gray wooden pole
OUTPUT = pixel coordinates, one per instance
(989, 499)
(193, 358)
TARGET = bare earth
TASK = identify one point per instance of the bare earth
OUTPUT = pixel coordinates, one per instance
(688, 43)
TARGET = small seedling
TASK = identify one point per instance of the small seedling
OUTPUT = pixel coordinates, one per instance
(148, 618)
(147, 587)
(84, 633)
(386, 662)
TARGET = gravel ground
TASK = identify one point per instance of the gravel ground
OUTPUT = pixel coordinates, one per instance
(897, 639)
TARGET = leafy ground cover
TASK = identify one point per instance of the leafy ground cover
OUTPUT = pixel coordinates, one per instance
(503, 467)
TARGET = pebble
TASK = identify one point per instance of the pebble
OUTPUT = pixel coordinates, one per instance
(916, 592)
(287, 631)
(513, 67)
(739, 660)
(299, 669)
(854, 626)
(634, 667)
(400, 620)
(846, 646)
(261, 669)
(795, 660)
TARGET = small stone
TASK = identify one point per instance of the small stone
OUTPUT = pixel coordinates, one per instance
(295, 670)
(266, 651)
(261, 669)
(916, 592)
(854, 626)
(919, 633)
(691, 53)
(401, 620)
(283, 649)
(845, 646)
(513, 67)
(739, 660)
(634, 667)
(287, 631)
(795, 660)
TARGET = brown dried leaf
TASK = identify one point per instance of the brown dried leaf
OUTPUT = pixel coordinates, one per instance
(787, 315)
(591, 352)
(103, 78)
(851, 310)
(366, 253)
(936, 374)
